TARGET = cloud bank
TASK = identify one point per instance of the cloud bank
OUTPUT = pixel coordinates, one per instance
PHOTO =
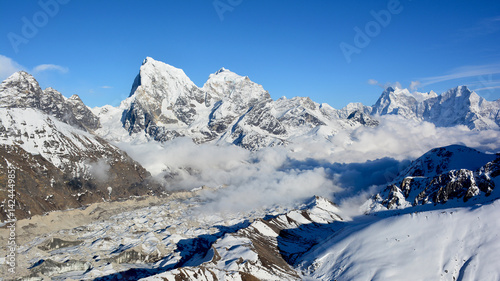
(345, 168)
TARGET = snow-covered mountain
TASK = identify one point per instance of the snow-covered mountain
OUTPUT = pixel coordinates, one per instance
(437, 214)
(164, 104)
(457, 106)
(60, 164)
(21, 90)
(454, 173)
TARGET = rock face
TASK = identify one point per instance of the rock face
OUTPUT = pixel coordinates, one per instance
(266, 249)
(442, 174)
(59, 163)
(21, 90)
(164, 104)
(457, 106)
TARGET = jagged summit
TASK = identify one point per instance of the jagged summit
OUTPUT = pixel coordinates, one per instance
(457, 106)
(221, 70)
(21, 90)
(19, 82)
(165, 104)
(157, 72)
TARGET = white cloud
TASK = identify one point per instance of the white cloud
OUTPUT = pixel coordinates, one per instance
(50, 67)
(414, 85)
(386, 85)
(99, 169)
(487, 88)
(106, 87)
(344, 168)
(8, 66)
(393, 85)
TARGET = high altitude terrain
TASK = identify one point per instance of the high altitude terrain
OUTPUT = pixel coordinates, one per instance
(249, 209)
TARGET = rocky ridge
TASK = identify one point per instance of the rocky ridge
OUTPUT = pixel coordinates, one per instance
(164, 104)
(443, 174)
(59, 162)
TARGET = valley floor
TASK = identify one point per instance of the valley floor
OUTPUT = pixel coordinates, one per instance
(171, 238)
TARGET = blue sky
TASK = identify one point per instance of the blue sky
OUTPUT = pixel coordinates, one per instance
(293, 48)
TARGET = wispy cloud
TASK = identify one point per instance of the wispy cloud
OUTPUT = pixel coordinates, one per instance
(462, 72)
(484, 27)
(386, 85)
(487, 88)
(106, 87)
(50, 67)
(414, 85)
(8, 66)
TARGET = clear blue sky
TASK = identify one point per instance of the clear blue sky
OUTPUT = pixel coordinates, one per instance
(95, 48)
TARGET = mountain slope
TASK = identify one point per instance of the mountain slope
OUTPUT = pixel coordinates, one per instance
(450, 244)
(164, 104)
(454, 173)
(231, 109)
(59, 164)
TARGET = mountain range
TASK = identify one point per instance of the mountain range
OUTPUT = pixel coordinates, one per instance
(164, 104)
(68, 156)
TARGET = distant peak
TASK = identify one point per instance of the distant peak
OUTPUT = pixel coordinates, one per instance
(75, 97)
(221, 70)
(147, 59)
(21, 77)
(458, 91)
(389, 89)
(20, 74)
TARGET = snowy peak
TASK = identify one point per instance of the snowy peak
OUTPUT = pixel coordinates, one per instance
(459, 95)
(443, 159)
(458, 92)
(420, 97)
(155, 73)
(221, 70)
(457, 106)
(454, 173)
(231, 86)
(21, 90)
(396, 101)
(21, 79)
(162, 95)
